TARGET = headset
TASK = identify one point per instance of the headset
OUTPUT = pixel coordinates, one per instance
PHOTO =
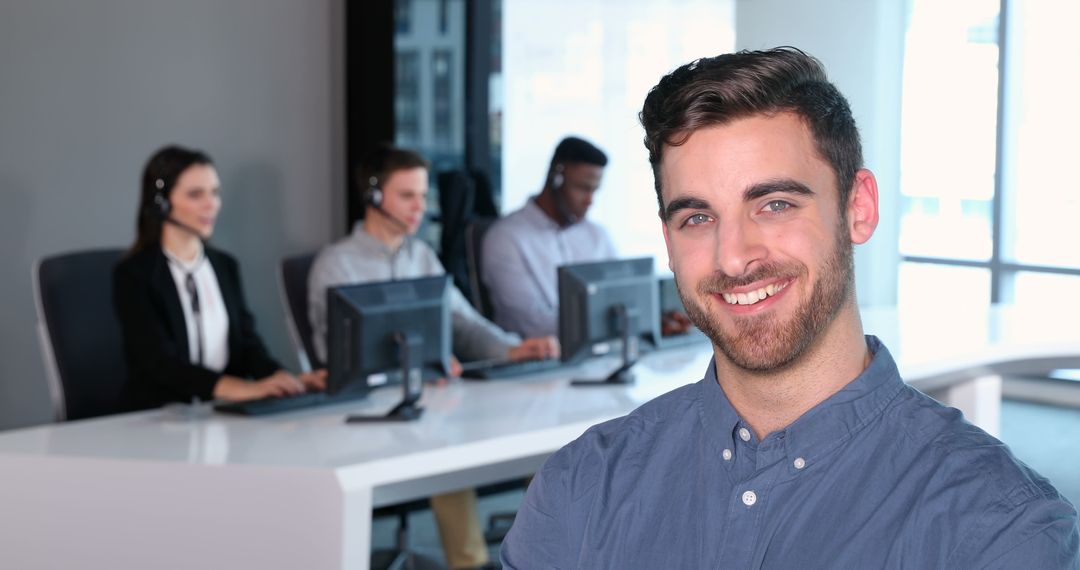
(374, 194)
(162, 206)
(558, 193)
(557, 178)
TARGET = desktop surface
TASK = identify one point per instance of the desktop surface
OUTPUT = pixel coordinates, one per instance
(459, 413)
(164, 480)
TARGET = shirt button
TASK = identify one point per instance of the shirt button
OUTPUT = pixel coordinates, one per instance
(749, 498)
(727, 455)
(744, 434)
(800, 463)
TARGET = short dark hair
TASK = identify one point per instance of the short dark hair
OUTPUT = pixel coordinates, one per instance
(573, 149)
(717, 90)
(166, 165)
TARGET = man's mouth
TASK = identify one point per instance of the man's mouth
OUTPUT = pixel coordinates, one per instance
(754, 296)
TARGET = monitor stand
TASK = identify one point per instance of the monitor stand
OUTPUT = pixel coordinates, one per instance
(411, 384)
(622, 376)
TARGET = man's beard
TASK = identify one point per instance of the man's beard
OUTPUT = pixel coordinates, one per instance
(763, 343)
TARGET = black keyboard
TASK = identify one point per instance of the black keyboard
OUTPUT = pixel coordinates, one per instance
(504, 370)
(286, 403)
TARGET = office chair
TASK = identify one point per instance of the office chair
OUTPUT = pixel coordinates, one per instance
(457, 198)
(293, 286)
(79, 333)
(474, 243)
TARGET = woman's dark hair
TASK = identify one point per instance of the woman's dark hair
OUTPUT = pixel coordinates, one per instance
(158, 178)
(717, 90)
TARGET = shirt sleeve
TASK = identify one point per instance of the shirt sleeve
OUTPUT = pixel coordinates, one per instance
(1039, 533)
(540, 537)
(327, 271)
(1053, 548)
(476, 338)
(516, 296)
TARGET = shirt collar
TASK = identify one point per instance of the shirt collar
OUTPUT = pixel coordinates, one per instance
(538, 216)
(823, 427)
(186, 266)
(364, 240)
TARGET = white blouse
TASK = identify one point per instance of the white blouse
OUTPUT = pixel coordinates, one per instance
(207, 328)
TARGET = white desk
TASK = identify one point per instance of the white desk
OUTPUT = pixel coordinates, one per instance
(162, 489)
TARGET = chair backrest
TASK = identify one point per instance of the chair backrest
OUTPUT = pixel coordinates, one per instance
(474, 243)
(457, 195)
(293, 284)
(80, 333)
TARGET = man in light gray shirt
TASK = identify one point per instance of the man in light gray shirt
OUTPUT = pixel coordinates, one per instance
(382, 248)
(394, 184)
(522, 252)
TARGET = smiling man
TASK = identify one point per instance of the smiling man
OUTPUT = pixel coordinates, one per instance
(801, 447)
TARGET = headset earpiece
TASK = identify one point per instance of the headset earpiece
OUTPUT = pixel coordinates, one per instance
(161, 202)
(557, 177)
(374, 193)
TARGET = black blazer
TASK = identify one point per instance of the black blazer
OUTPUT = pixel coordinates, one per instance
(155, 335)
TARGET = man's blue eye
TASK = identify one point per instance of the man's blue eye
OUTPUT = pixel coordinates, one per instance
(777, 206)
(697, 219)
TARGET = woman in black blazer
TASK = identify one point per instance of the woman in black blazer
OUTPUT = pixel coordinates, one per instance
(187, 330)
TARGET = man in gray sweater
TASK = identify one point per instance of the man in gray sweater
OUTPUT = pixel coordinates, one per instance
(394, 186)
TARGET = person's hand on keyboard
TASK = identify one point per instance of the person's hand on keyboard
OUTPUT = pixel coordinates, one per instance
(314, 380)
(536, 348)
(673, 323)
(280, 383)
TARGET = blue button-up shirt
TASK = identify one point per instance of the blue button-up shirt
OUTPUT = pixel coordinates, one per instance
(876, 476)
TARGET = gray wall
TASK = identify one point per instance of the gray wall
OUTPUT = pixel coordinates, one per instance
(89, 88)
(861, 43)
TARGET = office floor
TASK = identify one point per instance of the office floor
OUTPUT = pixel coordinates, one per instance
(1045, 437)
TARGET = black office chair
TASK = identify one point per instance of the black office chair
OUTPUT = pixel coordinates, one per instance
(457, 198)
(474, 243)
(293, 286)
(79, 333)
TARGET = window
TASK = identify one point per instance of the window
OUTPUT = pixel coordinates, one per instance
(588, 75)
(442, 102)
(987, 206)
(407, 97)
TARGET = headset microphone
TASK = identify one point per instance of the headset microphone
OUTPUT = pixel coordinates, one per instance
(164, 209)
(374, 198)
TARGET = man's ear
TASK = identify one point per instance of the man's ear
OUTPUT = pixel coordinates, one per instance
(862, 207)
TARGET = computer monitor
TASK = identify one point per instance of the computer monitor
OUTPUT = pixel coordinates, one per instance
(388, 332)
(671, 305)
(608, 301)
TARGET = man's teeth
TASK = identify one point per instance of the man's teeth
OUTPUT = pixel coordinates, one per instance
(753, 296)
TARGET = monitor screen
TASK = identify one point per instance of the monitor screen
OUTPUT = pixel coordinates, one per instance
(374, 327)
(594, 296)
